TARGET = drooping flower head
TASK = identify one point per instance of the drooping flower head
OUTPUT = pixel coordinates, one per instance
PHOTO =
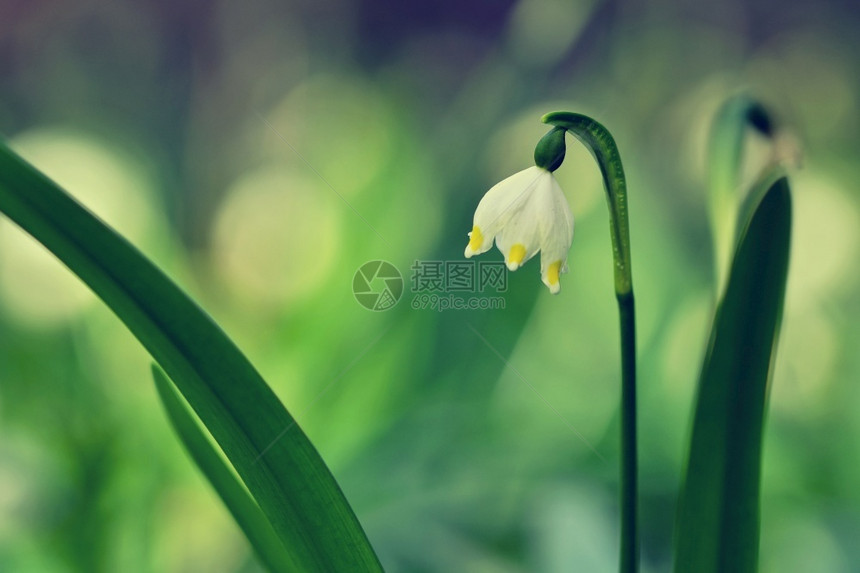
(527, 213)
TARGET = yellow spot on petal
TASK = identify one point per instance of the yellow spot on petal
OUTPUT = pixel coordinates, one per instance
(476, 240)
(552, 277)
(516, 256)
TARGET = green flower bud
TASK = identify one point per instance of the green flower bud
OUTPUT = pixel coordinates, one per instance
(549, 152)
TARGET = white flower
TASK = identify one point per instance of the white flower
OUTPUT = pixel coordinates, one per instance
(526, 213)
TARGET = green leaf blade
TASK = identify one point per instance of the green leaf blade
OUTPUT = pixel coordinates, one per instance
(291, 483)
(241, 505)
(718, 518)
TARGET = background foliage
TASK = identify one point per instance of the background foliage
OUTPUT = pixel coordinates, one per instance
(261, 153)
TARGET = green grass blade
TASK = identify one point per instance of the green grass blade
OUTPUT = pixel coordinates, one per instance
(718, 515)
(291, 483)
(241, 505)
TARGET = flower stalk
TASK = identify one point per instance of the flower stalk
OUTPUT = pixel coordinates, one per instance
(602, 146)
(527, 213)
(725, 157)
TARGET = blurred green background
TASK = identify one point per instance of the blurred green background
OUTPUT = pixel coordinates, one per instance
(261, 152)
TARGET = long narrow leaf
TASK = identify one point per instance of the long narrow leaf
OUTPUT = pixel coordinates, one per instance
(290, 481)
(718, 519)
(242, 506)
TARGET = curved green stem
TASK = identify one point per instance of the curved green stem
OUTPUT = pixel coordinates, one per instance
(602, 146)
(599, 141)
(725, 156)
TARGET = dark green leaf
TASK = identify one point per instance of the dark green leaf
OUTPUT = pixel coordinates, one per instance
(718, 519)
(245, 510)
(290, 482)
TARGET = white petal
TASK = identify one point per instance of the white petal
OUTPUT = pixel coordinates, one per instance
(499, 205)
(520, 238)
(556, 235)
